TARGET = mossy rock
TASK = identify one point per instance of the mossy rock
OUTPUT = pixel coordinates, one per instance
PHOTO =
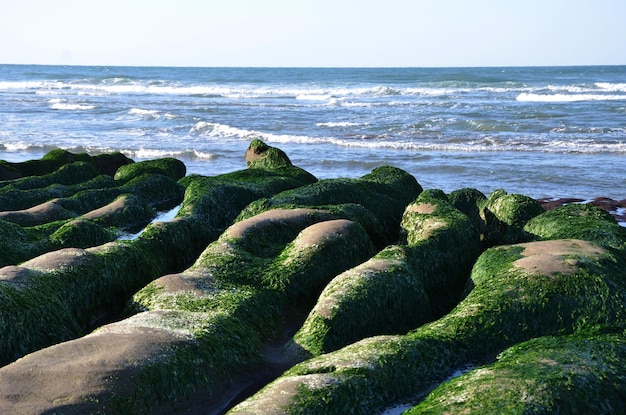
(401, 287)
(131, 367)
(385, 192)
(8, 172)
(97, 287)
(548, 375)
(577, 289)
(471, 202)
(261, 156)
(170, 167)
(580, 221)
(505, 215)
(106, 163)
(68, 174)
(81, 233)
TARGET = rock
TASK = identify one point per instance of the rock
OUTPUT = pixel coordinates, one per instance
(380, 266)
(403, 286)
(170, 167)
(261, 156)
(581, 221)
(55, 159)
(504, 216)
(578, 289)
(555, 374)
(125, 367)
(385, 192)
(62, 303)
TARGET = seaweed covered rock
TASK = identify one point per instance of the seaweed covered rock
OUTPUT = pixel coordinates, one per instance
(128, 367)
(63, 221)
(581, 221)
(548, 375)
(578, 288)
(505, 215)
(170, 167)
(202, 327)
(261, 156)
(104, 164)
(57, 296)
(385, 192)
(403, 286)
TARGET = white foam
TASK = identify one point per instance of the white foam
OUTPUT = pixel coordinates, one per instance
(313, 97)
(338, 124)
(529, 97)
(611, 87)
(145, 114)
(71, 107)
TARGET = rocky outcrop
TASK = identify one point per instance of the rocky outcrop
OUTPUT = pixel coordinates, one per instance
(59, 295)
(332, 296)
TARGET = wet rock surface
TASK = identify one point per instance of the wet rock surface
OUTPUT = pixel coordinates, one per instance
(273, 292)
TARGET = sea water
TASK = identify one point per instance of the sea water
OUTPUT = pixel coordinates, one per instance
(540, 131)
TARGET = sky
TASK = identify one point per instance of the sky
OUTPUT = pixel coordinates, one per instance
(314, 33)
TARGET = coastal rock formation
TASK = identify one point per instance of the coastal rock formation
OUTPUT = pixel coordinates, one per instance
(334, 296)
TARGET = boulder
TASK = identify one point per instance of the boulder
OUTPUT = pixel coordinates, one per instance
(578, 288)
(553, 374)
(403, 286)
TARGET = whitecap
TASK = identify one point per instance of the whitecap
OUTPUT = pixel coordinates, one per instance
(611, 87)
(71, 107)
(529, 97)
(338, 124)
(313, 97)
(144, 112)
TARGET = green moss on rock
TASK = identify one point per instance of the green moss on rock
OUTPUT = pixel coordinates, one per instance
(547, 375)
(580, 221)
(81, 233)
(505, 215)
(261, 156)
(170, 167)
(578, 287)
(402, 286)
(385, 192)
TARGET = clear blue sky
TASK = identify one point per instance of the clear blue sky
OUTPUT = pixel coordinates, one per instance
(314, 32)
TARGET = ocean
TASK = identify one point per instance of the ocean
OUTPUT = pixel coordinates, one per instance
(540, 131)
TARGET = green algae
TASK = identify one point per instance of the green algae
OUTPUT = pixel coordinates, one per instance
(262, 156)
(68, 174)
(81, 233)
(170, 167)
(580, 221)
(55, 159)
(385, 192)
(547, 375)
(508, 304)
(96, 286)
(401, 287)
(216, 346)
(505, 215)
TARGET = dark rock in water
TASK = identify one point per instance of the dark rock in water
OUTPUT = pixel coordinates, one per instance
(55, 159)
(259, 155)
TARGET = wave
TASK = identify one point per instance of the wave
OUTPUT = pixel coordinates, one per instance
(420, 142)
(60, 104)
(611, 87)
(528, 97)
(339, 124)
